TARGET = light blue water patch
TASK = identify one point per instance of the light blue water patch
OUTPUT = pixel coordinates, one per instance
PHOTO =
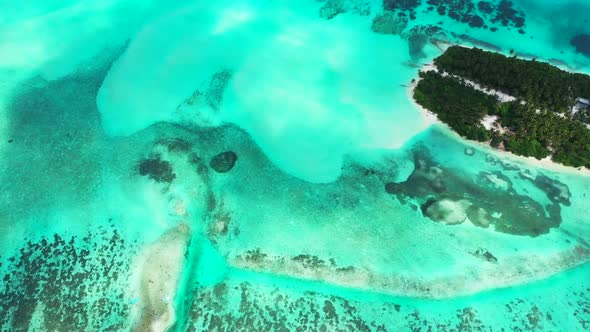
(301, 232)
(307, 91)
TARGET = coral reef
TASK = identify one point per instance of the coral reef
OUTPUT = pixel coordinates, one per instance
(224, 161)
(446, 196)
(157, 169)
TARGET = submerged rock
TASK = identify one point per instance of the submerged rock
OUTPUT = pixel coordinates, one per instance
(157, 169)
(478, 42)
(582, 44)
(447, 211)
(418, 37)
(556, 191)
(485, 255)
(507, 166)
(491, 160)
(332, 8)
(389, 23)
(224, 162)
(469, 151)
(432, 174)
(478, 216)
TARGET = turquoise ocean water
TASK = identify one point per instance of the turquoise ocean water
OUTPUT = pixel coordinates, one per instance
(123, 206)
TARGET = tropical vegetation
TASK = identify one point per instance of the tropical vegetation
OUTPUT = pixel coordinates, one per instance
(526, 130)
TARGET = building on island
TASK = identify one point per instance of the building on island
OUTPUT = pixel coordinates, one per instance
(581, 104)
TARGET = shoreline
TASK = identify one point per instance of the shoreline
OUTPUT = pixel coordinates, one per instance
(545, 163)
(442, 45)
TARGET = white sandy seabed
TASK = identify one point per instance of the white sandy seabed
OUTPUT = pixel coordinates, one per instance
(307, 91)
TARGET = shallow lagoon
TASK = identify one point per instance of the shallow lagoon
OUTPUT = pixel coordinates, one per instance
(269, 237)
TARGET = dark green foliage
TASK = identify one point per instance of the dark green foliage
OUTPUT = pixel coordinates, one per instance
(458, 105)
(534, 132)
(529, 132)
(541, 85)
(583, 115)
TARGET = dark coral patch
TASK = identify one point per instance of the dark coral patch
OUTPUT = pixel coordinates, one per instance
(306, 312)
(59, 275)
(556, 191)
(435, 187)
(582, 44)
(485, 7)
(331, 9)
(224, 162)
(157, 169)
(485, 255)
(482, 14)
(260, 308)
(405, 5)
(475, 21)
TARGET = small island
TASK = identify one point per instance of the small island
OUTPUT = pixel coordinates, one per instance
(527, 107)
